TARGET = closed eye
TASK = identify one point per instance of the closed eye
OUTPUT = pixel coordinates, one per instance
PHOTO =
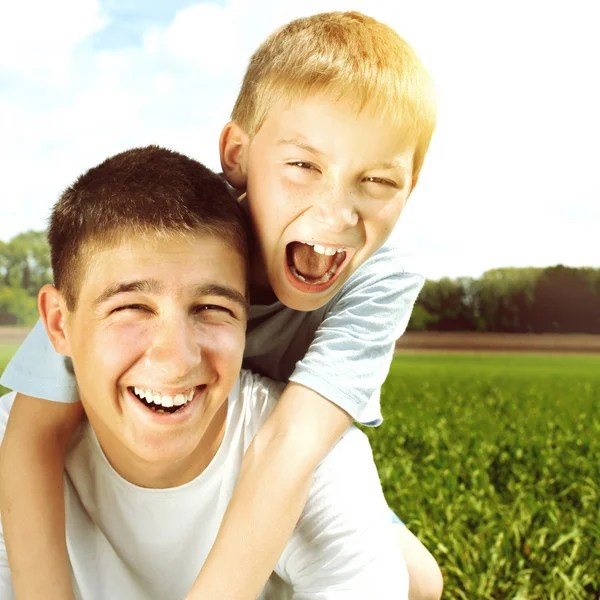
(381, 181)
(213, 307)
(130, 307)
(302, 165)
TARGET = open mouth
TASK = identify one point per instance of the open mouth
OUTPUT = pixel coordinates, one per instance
(314, 264)
(165, 403)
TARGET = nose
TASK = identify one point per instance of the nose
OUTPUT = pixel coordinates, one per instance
(176, 351)
(336, 209)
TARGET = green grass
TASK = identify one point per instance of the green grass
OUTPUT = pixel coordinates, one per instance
(6, 352)
(494, 462)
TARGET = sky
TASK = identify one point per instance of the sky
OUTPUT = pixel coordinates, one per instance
(512, 177)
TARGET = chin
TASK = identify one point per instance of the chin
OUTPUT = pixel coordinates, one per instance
(304, 302)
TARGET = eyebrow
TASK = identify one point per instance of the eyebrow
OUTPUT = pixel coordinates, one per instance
(395, 165)
(224, 291)
(300, 144)
(153, 286)
(144, 286)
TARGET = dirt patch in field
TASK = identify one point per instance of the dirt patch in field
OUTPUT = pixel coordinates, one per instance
(435, 341)
(13, 335)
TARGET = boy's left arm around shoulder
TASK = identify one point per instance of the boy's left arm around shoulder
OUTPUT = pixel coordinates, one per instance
(336, 382)
(270, 494)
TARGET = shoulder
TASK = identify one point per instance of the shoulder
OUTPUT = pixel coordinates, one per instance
(383, 274)
(256, 395)
(351, 456)
(380, 294)
(343, 540)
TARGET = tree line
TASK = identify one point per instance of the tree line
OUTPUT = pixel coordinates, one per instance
(24, 269)
(552, 300)
(556, 299)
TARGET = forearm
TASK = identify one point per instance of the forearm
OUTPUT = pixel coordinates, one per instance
(32, 497)
(270, 495)
(267, 502)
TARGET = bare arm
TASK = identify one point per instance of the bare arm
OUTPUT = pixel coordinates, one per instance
(270, 494)
(32, 460)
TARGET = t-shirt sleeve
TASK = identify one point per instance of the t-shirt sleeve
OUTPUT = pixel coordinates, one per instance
(344, 546)
(39, 371)
(350, 355)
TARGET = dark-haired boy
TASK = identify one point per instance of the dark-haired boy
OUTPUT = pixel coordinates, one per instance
(149, 254)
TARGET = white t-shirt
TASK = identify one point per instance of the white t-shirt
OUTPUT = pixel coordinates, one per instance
(132, 543)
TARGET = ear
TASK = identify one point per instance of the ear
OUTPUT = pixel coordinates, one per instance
(53, 310)
(414, 183)
(412, 187)
(233, 148)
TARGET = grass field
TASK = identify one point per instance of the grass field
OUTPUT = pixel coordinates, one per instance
(493, 460)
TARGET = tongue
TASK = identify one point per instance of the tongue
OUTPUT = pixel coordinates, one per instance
(309, 263)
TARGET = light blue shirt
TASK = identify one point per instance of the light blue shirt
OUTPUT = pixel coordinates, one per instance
(342, 350)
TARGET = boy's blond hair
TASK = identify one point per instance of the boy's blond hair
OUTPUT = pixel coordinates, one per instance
(349, 55)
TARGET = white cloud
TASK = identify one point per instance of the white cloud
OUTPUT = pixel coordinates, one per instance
(38, 37)
(510, 177)
(202, 36)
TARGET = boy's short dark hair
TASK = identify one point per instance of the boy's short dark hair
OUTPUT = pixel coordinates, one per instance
(140, 192)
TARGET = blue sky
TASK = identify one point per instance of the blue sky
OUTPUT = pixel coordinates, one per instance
(511, 178)
(128, 20)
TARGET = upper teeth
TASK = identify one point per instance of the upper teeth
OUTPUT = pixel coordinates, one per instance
(164, 399)
(328, 251)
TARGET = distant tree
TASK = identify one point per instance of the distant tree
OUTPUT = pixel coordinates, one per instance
(451, 302)
(17, 307)
(24, 269)
(567, 300)
(25, 262)
(504, 299)
(557, 299)
(421, 319)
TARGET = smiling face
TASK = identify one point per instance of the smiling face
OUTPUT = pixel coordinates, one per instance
(326, 185)
(157, 339)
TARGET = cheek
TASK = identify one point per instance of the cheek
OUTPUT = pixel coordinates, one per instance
(381, 223)
(268, 192)
(118, 347)
(223, 346)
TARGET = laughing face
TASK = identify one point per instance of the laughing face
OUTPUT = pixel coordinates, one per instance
(326, 185)
(157, 339)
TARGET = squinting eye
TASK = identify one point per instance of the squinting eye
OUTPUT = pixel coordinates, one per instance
(380, 181)
(213, 307)
(130, 307)
(302, 165)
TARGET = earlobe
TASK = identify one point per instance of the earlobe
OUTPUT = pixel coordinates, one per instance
(233, 148)
(414, 183)
(53, 311)
(412, 187)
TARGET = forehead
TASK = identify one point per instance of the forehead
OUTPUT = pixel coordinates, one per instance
(176, 261)
(321, 121)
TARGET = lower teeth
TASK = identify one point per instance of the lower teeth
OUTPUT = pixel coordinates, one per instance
(324, 279)
(339, 259)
